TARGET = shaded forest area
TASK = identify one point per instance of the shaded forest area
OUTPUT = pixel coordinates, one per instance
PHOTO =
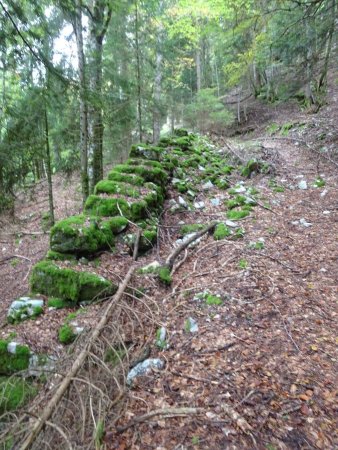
(81, 81)
(168, 224)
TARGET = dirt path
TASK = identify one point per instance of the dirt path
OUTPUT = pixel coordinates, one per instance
(263, 365)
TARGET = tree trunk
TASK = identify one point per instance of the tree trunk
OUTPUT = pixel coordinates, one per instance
(49, 172)
(100, 18)
(198, 69)
(138, 74)
(323, 76)
(157, 97)
(83, 101)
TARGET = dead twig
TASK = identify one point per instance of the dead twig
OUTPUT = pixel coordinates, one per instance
(172, 257)
(167, 412)
(76, 366)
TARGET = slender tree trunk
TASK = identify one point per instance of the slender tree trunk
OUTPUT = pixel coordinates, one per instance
(157, 97)
(83, 102)
(323, 76)
(49, 172)
(100, 17)
(138, 73)
(198, 69)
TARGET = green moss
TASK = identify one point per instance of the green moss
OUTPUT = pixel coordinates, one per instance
(222, 183)
(15, 392)
(239, 234)
(57, 256)
(164, 275)
(49, 279)
(191, 228)
(59, 303)
(127, 178)
(235, 214)
(66, 334)
(239, 200)
(13, 362)
(221, 232)
(320, 182)
(106, 207)
(181, 132)
(81, 235)
(115, 187)
(227, 169)
(213, 300)
(146, 151)
(143, 162)
(154, 174)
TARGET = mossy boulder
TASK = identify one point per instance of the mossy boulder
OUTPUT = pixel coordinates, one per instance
(147, 241)
(130, 178)
(24, 308)
(116, 187)
(146, 151)
(148, 173)
(49, 279)
(13, 357)
(84, 234)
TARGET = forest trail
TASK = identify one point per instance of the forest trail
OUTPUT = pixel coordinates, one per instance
(260, 372)
(262, 365)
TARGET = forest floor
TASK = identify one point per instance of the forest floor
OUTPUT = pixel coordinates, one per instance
(261, 371)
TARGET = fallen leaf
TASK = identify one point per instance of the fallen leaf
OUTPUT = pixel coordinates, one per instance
(304, 397)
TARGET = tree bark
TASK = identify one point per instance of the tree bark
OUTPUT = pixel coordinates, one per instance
(49, 172)
(157, 97)
(99, 20)
(77, 25)
(198, 69)
(138, 73)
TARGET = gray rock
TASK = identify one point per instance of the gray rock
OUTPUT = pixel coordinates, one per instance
(302, 185)
(208, 185)
(191, 325)
(199, 205)
(215, 201)
(231, 224)
(182, 202)
(41, 364)
(201, 168)
(23, 308)
(239, 189)
(191, 193)
(304, 223)
(144, 368)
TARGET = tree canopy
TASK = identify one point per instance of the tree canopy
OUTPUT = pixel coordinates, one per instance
(106, 74)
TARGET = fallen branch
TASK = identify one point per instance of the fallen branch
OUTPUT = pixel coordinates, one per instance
(54, 401)
(172, 257)
(2, 261)
(169, 412)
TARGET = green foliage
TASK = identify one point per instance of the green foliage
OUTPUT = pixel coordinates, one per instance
(13, 362)
(213, 300)
(59, 303)
(164, 275)
(206, 113)
(243, 264)
(66, 334)
(237, 214)
(15, 392)
(221, 232)
(320, 182)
